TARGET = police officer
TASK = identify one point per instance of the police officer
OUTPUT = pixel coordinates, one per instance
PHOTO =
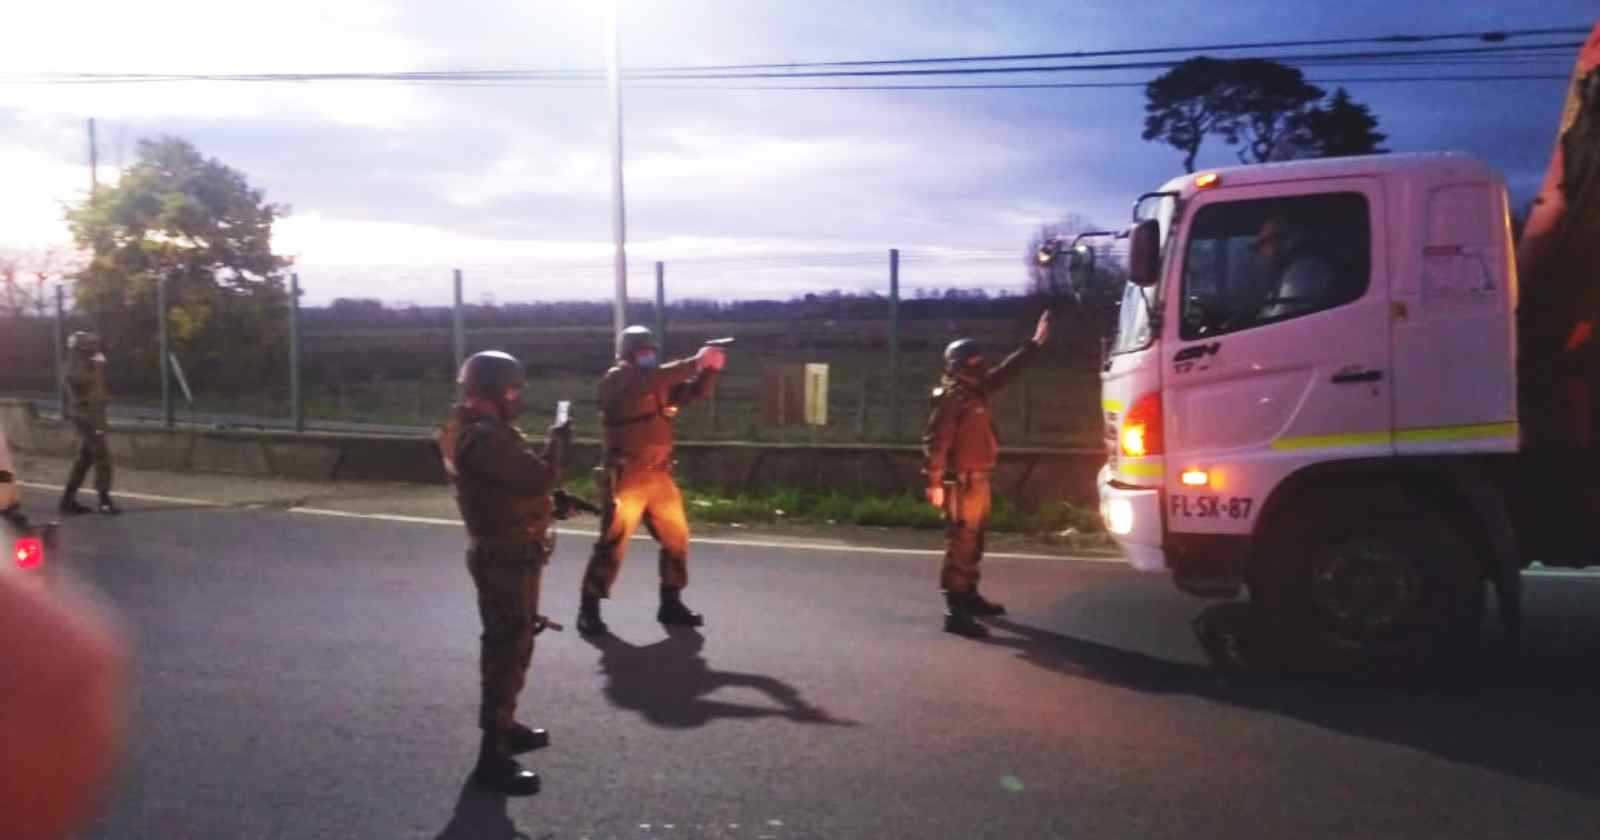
(86, 410)
(503, 487)
(639, 397)
(960, 438)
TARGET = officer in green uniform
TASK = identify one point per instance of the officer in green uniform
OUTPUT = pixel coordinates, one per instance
(86, 410)
(960, 439)
(503, 488)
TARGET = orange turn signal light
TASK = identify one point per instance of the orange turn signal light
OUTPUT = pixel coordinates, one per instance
(1195, 478)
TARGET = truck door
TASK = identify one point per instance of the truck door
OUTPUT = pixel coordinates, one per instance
(1282, 351)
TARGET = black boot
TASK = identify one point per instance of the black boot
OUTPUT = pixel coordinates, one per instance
(71, 506)
(960, 622)
(978, 605)
(589, 621)
(500, 773)
(674, 612)
(107, 506)
(520, 739)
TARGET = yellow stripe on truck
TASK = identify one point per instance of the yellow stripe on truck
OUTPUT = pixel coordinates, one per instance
(1142, 469)
(1445, 433)
(1433, 434)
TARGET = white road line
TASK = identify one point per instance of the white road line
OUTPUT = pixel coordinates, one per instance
(143, 497)
(1581, 574)
(853, 549)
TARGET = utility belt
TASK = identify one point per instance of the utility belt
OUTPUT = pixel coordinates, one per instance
(966, 478)
(608, 476)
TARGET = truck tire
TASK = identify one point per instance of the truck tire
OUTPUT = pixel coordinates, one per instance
(1369, 575)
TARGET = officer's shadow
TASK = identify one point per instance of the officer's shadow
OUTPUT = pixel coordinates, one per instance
(481, 815)
(668, 683)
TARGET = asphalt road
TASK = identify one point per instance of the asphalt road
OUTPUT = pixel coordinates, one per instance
(313, 676)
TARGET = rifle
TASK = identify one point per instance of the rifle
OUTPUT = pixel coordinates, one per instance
(567, 504)
(720, 342)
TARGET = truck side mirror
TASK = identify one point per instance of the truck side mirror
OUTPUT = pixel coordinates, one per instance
(1144, 254)
(1080, 267)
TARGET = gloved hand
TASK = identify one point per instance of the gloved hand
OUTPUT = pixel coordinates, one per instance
(711, 358)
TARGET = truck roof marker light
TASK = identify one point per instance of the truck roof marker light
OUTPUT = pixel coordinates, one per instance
(1195, 478)
(1207, 180)
(1141, 430)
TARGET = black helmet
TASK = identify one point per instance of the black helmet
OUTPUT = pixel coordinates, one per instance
(487, 375)
(635, 338)
(959, 352)
(84, 341)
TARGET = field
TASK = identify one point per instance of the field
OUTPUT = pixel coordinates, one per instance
(403, 376)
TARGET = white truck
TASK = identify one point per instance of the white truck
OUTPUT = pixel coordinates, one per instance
(1312, 396)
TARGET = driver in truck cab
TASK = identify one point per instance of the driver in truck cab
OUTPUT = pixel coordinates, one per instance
(1298, 278)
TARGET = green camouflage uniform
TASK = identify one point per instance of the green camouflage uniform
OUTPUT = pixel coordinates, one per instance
(86, 410)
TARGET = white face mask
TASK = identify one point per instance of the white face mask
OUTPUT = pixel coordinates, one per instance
(646, 359)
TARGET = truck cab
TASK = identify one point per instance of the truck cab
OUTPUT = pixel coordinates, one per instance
(1312, 390)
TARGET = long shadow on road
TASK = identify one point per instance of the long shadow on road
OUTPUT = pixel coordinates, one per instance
(668, 682)
(1535, 719)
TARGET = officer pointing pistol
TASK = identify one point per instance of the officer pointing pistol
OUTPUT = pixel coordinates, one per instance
(504, 489)
(960, 438)
(639, 397)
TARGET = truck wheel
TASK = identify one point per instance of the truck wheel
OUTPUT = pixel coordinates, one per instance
(1370, 575)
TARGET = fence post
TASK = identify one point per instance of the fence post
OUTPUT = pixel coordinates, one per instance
(161, 360)
(1027, 411)
(297, 411)
(55, 353)
(712, 405)
(661, 308)
(894, 345)
(861, 409)
(458, 326)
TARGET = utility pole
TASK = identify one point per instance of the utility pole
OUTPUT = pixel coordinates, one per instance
(894, 344)
(296, 406)
(458, 327)
(58, 335)
(619, 224)
(94, 161)
(661, 307)
(162, 362)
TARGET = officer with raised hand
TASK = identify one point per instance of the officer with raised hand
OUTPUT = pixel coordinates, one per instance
(503, 488)
(86, 410)
(960, 439)
(639, 397)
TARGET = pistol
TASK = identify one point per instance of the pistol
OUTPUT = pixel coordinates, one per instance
(566, 504)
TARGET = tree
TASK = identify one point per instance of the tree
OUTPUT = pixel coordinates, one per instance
(1187, 103)
(198, 226)
(1269, 100)
(1341, 128)
(1266, 108)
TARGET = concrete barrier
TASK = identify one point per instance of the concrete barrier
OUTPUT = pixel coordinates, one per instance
(1029, 475)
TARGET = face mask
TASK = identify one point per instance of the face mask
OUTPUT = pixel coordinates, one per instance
(645, 360)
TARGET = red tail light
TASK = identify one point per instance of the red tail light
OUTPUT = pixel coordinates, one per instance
(1141, 429)
(29, 553)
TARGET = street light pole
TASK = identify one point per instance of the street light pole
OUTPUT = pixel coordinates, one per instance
(619, 225)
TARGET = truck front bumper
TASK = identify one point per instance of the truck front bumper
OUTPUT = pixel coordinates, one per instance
(1132, 515)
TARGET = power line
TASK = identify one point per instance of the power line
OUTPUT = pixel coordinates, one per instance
(1510, 51)
(1490, 36)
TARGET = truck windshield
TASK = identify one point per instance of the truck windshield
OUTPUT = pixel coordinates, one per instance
(1134, 330)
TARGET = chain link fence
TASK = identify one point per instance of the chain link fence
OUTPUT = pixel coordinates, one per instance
(369, 364)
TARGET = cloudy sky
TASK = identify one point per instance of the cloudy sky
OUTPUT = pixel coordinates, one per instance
(743, 193)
